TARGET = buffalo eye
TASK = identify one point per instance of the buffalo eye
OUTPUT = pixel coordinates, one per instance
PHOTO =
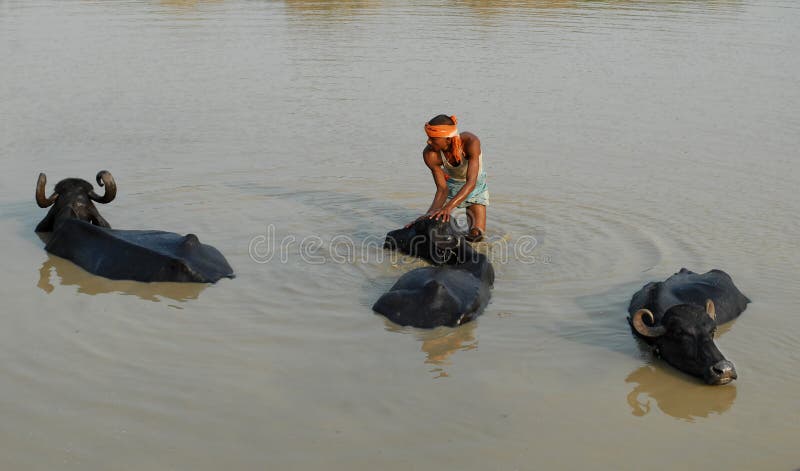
(678, 332)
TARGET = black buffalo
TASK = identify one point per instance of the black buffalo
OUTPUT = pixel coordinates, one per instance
(679, 318)
(73, 198)
(454, 291)
(79, 233)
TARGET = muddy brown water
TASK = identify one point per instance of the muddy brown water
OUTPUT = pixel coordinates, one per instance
(623, 140)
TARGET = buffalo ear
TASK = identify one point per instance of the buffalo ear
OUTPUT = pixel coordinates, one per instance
(711, 310)
(643, 329)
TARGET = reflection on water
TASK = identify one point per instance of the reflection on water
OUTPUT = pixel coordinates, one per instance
(67, 273)
(493, 6)
(329, 6)
(485, 6)
(441, 343)
(603, 116)
(332, 11)
(675, 395)
(186, 3)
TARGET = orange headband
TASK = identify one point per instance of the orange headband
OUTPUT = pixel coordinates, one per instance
(447, 130)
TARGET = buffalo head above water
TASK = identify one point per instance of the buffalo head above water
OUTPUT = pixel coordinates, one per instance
(679, 317)
(74, 198)
(685, 339)
(437, 242)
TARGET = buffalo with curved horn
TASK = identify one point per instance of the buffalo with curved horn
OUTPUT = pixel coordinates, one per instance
(679, 317)
(80, 234)
(72, 199)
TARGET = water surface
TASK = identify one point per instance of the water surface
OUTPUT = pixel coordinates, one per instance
(627, 138)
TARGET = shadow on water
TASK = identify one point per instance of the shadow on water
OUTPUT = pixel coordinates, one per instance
(67, 273)
(441, 343)
(675, 395)
(26, 215)
(603, 323)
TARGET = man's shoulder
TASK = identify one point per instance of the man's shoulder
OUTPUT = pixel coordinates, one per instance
(431, 156)
(472, 145)
(469, 136)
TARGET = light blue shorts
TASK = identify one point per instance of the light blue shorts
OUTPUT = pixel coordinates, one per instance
(480, 195)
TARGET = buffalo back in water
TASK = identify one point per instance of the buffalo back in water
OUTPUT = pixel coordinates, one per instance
(139, 255)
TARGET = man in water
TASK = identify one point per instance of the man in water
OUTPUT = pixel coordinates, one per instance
(456, 163)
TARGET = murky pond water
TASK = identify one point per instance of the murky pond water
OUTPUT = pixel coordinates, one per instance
(623, 140)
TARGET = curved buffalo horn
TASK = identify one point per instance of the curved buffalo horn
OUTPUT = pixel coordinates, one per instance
(105, 179)
(644, 329)
(40, 198)
(711, 310)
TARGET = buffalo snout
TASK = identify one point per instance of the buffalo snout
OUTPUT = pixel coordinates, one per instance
(722, 372)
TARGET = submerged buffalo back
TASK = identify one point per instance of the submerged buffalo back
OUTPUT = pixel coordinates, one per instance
(687, 287)
(138, 255)
(434, 296)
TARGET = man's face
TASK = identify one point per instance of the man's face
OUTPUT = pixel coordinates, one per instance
(439, 143)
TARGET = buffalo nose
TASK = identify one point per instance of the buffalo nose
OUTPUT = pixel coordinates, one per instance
(722, 372)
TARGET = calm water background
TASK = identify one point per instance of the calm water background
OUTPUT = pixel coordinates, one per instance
(629, 138)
